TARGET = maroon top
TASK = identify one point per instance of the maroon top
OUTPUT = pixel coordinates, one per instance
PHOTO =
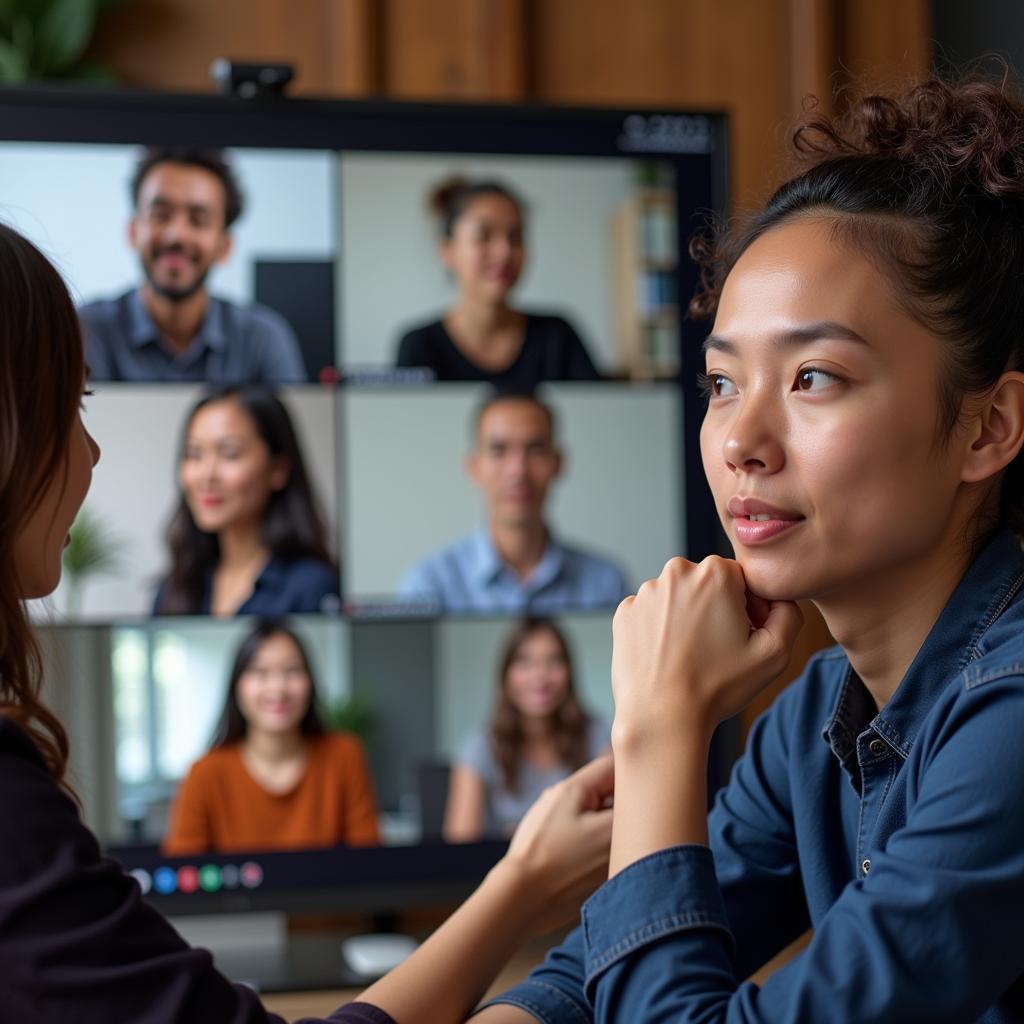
(77, 941)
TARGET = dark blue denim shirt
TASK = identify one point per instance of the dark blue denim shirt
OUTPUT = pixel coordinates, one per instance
(897, 836)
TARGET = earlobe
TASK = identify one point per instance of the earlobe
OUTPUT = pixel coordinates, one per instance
(999, 436)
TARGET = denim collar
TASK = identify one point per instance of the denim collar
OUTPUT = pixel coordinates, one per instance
(979, 599)
(142, 331)
(488, 566)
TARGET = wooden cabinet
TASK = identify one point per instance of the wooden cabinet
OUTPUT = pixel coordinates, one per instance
(754, 59)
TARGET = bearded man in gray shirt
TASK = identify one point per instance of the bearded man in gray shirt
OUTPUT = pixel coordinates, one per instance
(170, 328)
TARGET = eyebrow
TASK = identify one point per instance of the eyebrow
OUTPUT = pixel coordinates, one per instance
(159, 200)
(823, 329)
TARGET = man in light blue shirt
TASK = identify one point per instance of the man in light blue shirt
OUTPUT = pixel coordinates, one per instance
(512, 563)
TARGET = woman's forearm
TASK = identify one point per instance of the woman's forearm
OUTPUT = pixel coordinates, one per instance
(447, 976)
(660, 796)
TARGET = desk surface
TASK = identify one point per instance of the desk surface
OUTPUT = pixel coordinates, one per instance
(292, 1005)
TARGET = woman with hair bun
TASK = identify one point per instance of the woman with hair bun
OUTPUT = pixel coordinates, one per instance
(483, 337)
(863, 442)
(538, 734)
(863, 437)
(247, 537)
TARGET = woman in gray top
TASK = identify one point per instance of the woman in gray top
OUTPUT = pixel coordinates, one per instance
(538, 734)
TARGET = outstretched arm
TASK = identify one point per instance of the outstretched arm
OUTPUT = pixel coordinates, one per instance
(558, 856)
(464, 812)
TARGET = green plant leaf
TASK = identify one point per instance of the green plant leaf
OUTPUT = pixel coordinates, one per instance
(353, 714)
(31, 9)
(13, 65)
(92, 549)
(89, 72)
(62, 34)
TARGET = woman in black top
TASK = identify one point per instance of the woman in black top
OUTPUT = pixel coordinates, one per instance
(77, 941)
(482, 338)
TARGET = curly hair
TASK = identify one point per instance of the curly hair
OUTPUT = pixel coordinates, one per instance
(930, 185)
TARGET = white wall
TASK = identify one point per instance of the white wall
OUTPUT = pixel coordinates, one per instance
(467, 664)
(72, 201)
(406, 493)
(134, 491)
(389, 272)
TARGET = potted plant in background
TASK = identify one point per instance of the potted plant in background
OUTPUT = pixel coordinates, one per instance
(353, 714)
(92, 551)
(46, 40)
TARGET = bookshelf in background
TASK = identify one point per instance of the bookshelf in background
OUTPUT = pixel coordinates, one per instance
(644, 264)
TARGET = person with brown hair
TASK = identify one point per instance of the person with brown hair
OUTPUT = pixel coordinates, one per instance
(77, 940)
(863, 437)
(185, 201)
(275, 778)
(538, 734)
(483, 337)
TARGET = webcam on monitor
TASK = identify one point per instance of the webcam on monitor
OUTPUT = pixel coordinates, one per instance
(248, 81)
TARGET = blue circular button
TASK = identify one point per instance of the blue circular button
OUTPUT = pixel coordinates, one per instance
(165, 880)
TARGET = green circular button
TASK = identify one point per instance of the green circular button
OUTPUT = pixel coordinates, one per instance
(209, 878)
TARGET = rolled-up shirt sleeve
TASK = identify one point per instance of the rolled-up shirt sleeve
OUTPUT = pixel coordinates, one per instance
(931, 930)
(755, 868)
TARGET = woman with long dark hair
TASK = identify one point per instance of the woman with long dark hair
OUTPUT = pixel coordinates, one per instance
(77, 941)
(247, 536)
(538, 733)
(483, 337)
(275, 777)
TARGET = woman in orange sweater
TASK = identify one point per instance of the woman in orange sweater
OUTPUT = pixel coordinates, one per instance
(274, 777)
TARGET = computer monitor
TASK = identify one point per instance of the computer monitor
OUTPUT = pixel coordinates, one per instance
(407, 607)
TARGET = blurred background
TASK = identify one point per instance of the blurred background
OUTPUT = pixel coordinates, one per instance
(754, 59)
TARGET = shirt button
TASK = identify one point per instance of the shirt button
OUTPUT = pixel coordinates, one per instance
(865, 866)
(877, 747)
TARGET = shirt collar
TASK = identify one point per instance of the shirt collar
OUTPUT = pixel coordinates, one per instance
(274, 575)
(143, 331)
(487, 565)
(979, 599)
